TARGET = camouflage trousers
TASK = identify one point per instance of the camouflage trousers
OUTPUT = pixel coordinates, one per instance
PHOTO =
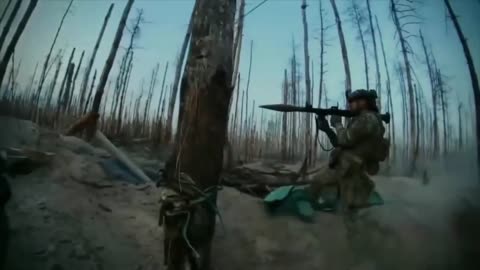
(348, 175)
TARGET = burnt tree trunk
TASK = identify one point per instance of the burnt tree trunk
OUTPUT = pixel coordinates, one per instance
(9, 22)
(237, 47)
(47, 59)
(343, 46)
(473, 74)
(5, 10)
(234, 138)
(88, 70)
(66, 96)
(176, 81)
(75, 80)
(246, 124)
(63, 85)
(358, 20)
(389, 91)
(308, 87)
(378, 79)
(89, 96)
(108, 64)
(431, 76)
(411, 95)
(53, 84)
(284, 117)
(202, 132)
(16, 36)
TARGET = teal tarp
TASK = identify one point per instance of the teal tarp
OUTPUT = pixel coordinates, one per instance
(294, 200)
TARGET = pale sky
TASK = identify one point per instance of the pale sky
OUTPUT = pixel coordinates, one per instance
(271, 27)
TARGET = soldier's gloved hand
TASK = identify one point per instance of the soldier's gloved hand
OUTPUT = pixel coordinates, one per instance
(322, 123)
(335, 120)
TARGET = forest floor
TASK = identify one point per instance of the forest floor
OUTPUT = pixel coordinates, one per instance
(73, 215)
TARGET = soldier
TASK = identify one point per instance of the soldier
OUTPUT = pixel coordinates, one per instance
(359, 147)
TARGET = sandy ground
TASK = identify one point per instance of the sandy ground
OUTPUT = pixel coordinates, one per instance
(71, 215)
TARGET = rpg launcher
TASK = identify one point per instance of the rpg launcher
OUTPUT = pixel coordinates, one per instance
(318, 111)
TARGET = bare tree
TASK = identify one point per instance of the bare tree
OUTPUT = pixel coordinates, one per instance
(471, 69)
(5, 10)
(75, 79)
(202, 131)
(108, 64)
(54, 83)
(431, 75)
(9, 22)
(308, 87)
(406, 50)
(178, 70)
(64, 83)
(246, 124)
(68, 85)
(378, 79)
(359, 19)
(284, 117)
(343, 46)
(389, 90)
(43, 75)
(16, 36)
(88, 70)
(90, 92)
(237, 47)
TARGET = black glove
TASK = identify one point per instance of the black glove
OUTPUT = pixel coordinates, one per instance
(335, 120)
(322, 123)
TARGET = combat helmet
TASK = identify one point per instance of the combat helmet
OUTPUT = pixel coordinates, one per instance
(362, 94)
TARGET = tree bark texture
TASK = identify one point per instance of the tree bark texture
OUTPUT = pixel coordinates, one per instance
(202, 133)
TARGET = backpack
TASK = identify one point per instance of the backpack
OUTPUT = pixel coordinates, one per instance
(382, 150)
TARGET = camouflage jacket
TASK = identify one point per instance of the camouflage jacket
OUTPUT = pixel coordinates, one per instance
(361, 137)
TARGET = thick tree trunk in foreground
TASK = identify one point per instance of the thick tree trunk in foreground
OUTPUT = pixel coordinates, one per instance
(346, 65)
(203, 127)
(473, 74)
(16, 36)
(109, 63)
(86, 76)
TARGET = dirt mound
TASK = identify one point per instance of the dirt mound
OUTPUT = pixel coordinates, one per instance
(17, 133)
(71, 215)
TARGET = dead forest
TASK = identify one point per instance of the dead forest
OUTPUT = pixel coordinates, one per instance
(204, 108)
(64, 87)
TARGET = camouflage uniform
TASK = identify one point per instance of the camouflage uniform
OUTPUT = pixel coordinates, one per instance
(354, 156)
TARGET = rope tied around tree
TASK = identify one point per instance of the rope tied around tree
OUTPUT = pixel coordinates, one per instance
(180, 208)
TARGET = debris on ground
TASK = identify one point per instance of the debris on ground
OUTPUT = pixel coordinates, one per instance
(71, 214)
